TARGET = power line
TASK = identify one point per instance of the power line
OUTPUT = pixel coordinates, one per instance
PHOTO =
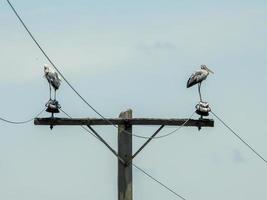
(138, 168)
(22, 122)
(97, 136)
(163, 185)
(229, 128)
(50, 61)
(81, 126)
(70, 85)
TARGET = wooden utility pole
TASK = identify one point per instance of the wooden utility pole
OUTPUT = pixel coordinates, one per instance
(125, 186)
(124, 155)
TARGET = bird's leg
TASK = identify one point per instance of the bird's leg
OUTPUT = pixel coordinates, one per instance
(199, 85)
(50, 91)
(55, 94)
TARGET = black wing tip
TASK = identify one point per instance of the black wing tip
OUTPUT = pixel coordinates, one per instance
(189, 84)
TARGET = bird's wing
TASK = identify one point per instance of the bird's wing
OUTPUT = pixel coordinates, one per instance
(56, 80)
(194, 78)
(57, 76)
(49, 76)
(53, 79)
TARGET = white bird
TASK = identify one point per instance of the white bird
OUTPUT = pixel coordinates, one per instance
(52, 78)
(198, 77)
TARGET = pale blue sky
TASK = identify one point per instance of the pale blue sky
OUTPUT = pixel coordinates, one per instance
(139, 55)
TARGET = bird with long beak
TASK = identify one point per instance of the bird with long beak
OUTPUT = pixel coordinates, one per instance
(52, 78)
(197, 78)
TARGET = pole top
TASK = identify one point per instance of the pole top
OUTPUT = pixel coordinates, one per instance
(126, 114)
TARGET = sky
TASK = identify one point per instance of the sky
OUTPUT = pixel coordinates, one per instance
(138, 55)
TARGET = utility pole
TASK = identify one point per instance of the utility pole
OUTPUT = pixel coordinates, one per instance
(124, 154)
(125, 186)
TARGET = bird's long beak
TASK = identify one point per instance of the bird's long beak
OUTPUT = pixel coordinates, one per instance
(210, 71)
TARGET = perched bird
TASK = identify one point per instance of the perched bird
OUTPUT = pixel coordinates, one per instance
(198, 77)
(52, 78)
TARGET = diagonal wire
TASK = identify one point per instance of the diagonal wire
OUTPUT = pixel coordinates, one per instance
(138, 168)
(163, 185)
(81, 125)
(22, 122)
(229, 128)
(51, 62)
(97, 136)
(107, 145)
(68, 83)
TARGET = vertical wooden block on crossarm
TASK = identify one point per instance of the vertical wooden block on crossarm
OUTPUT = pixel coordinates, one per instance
(125, 186)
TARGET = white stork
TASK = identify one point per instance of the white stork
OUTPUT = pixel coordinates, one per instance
(52, 78)
(198, 77)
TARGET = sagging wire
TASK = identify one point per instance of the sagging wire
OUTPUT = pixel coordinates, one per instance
(22, 122)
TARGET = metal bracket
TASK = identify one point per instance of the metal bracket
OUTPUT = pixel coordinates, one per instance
(146, 143)
(106, 144)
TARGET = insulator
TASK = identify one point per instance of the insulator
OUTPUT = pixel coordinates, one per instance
(203, 109)
(52, 106)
